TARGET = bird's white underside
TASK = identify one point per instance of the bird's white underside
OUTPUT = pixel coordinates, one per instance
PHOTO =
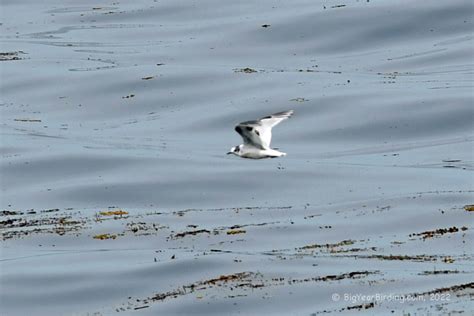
(257, 136)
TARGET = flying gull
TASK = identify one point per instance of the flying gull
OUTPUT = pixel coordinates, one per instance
(257, 136)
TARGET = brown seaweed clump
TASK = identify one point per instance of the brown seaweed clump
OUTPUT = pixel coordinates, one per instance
(192, 232)
(236, 231)
(469, 208)
(113, 213)
(246, 70)
(6, 56)
(105, 236)
(439, 232)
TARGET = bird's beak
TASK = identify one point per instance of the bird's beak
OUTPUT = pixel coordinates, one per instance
(229, 153)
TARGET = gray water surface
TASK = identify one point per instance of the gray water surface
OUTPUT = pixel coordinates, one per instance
(130, 106)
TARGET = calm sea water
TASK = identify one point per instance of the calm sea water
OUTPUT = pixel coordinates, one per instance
(129, 108)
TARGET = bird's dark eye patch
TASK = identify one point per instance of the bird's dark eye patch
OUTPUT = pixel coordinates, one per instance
(249, 128)
(237, 149)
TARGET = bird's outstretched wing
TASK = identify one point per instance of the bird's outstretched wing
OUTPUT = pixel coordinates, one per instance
(259, 133)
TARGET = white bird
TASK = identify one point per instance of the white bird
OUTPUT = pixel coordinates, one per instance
(257, 136)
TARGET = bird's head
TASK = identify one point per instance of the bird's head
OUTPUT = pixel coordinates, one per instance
(234, 150)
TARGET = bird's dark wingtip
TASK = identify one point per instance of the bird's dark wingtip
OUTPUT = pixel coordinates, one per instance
(287, 114)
